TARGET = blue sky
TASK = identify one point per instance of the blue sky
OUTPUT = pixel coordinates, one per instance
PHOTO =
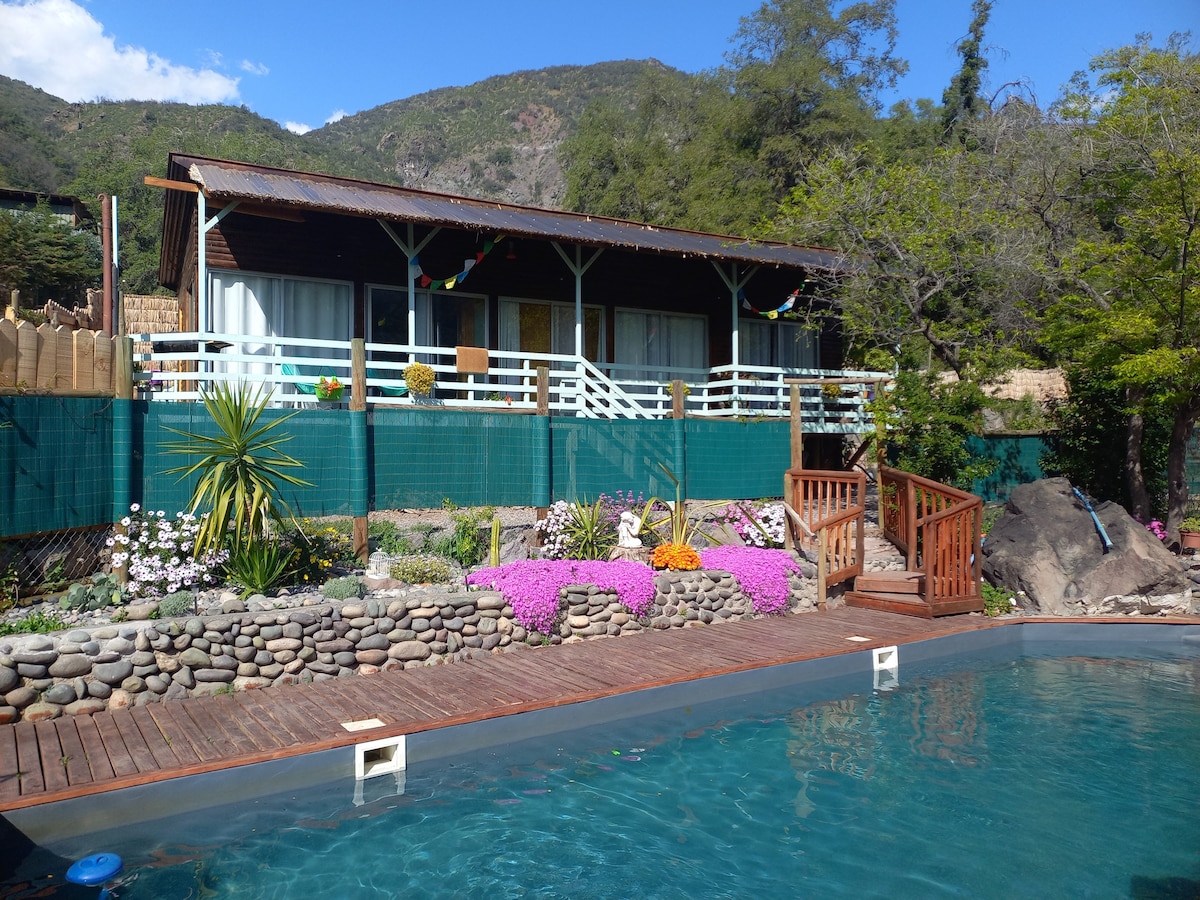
(304, 64)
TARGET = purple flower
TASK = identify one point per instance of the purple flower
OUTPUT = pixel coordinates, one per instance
(532, 586)
(762, 574)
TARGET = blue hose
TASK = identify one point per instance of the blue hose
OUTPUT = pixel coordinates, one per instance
(1108, 544)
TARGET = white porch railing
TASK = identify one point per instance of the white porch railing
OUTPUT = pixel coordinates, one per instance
(177, 366)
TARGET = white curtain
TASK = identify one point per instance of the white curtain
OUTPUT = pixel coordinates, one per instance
(783, 345)
(243, 304)
(658, 343)
(316, 310)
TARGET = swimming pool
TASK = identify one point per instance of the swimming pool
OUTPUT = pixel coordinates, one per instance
(1033, 769)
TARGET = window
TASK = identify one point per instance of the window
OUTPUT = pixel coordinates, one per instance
(531, 326)
(656, 344)
(269, 306)
(778, 345)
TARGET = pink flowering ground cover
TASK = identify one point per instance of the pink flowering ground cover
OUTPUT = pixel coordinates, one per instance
(762, 574)
(532, 586)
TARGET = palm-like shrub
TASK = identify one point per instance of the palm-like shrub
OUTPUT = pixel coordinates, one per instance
(240, 468)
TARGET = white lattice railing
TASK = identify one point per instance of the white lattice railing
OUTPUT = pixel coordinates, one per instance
(177, 366)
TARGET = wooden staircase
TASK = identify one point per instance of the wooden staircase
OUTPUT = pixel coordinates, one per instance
(935, 526)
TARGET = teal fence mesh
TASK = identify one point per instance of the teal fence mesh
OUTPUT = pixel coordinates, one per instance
(732, 460)
(418, 458)
(590, 457)
(1017, 462)
(57, 469)
(55, 463)
(319, 438)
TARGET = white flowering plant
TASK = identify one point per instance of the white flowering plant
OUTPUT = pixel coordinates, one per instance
(158, 553)
(758, 525)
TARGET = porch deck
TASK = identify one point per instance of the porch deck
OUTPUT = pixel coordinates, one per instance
(76, 756)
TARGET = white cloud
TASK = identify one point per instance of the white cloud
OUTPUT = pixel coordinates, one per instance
(57, 46)
(254, 68)
(336, 116)
(297, 127)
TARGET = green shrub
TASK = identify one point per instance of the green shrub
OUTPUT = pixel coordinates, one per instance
(35, 623)
(388, 537)
(421, 569)
(996, 601)
(469, 542)
(179, 603)
(343, 588)
(103, 591)
(260, 566)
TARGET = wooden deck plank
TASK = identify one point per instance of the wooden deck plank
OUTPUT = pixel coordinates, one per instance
(54, 770)
(156, 743)
(167, 740)
(29, 760)
(74, 756)
(227, 710)
(179, 734)
(282, 720)
(10, 766)
(94, 750)
(124, 761)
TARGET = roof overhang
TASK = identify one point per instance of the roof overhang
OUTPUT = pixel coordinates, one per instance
(282, 189)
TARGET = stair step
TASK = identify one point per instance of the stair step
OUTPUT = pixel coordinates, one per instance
(904, 582)
(903, 604)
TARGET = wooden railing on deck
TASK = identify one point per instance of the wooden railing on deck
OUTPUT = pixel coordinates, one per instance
(830, 506)
(937, 527)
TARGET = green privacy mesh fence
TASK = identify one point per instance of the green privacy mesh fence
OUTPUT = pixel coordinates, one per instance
(320, 439)
(421, 457)
(1017, 462)
(57, 471)
(736, 460)
(591, 457)
(55, 463)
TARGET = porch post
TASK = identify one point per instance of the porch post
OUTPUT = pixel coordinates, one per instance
(412, 291)
(201, 265)
(578, 267)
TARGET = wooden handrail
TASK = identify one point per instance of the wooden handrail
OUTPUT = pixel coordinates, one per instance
(938, 528)
(830, 506)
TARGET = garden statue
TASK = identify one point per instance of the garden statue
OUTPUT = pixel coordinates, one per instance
(627, 531)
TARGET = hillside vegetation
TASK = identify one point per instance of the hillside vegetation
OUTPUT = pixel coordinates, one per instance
(497, 139)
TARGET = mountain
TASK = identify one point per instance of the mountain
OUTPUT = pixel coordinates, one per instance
(497, 139)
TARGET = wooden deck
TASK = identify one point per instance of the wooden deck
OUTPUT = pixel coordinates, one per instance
(75, 756)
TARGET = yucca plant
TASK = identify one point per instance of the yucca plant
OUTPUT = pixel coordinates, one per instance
(260, 566)
(240, 468)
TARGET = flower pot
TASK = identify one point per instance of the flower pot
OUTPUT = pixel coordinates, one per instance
(1189, 540)
(330, 396)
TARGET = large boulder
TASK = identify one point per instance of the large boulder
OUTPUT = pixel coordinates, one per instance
(1047, 546)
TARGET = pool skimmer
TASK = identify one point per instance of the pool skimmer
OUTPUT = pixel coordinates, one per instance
(381, 757)
(885, 661)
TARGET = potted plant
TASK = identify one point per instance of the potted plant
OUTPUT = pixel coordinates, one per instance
(329, 389)
(419, 378)
(1189, 533)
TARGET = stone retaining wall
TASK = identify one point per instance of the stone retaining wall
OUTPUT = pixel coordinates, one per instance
(84, 671)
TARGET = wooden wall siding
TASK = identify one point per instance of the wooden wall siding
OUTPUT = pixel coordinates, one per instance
(55, 359)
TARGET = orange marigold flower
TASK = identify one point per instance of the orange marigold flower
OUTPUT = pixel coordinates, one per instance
(675, 556)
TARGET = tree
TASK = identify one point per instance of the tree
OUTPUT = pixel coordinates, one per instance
(45, 258)
(961, 102)
(1137, 313)
(804, 76)
(932, 252)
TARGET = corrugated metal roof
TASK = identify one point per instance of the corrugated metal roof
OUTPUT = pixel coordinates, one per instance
(326, 193)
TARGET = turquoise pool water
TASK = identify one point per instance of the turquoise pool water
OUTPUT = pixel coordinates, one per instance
(1047, 776)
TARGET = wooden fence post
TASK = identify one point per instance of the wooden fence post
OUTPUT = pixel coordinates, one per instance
(541, 455)
(359, 502)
